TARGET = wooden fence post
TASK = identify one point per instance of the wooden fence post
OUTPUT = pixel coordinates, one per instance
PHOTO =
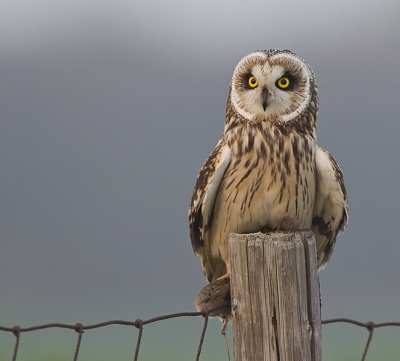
(275, 297)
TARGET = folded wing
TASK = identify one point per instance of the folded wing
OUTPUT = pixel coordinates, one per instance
(202, 204)
(331, 207)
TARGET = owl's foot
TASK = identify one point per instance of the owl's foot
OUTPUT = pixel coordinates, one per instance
(227, 275)
(283, 220)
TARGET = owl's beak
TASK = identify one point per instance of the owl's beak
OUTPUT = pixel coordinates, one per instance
(264, 98)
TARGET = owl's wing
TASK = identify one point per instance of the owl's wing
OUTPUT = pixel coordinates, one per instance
(331, 207)
(202, 203)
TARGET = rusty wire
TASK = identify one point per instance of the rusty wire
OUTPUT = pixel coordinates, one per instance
(79, 328)
(370, 326)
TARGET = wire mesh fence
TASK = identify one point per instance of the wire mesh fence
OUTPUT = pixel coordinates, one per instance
(139, 324)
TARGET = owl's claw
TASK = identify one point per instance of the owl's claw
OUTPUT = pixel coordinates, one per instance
(227, 275)
(283, 220)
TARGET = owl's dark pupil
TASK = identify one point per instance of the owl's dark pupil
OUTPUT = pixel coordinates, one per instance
(283, 81)
(253, 81)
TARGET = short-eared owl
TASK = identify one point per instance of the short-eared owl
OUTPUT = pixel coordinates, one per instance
(267, 165)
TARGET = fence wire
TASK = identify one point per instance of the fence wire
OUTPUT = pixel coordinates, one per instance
(79, 328)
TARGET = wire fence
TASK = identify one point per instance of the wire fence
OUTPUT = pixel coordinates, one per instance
(139, 324)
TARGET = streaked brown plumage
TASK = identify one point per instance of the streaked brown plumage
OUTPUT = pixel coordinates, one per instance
(267, 164)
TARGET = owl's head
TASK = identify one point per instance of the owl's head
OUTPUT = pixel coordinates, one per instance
(272, 85)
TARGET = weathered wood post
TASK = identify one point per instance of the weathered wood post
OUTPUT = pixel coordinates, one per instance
(275, 297)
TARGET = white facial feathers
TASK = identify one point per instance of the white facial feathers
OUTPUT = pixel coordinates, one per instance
(282, 103)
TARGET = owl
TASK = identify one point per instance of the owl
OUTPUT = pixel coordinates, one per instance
(267, 165)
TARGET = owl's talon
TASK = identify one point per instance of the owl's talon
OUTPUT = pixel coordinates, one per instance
(283, 220)
(225, 276)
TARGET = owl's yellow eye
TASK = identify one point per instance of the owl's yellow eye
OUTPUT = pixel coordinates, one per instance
(253, 82)
(283, 82)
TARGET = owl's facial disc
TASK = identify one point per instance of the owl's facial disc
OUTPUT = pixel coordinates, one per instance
(271, 87)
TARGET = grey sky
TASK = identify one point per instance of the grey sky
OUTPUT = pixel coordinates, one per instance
(107, 112)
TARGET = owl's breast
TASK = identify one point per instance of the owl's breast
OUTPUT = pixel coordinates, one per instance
(256, 193)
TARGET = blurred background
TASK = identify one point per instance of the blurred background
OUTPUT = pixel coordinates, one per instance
(107, 112)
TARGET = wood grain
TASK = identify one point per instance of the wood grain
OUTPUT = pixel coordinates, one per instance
(275, 297)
